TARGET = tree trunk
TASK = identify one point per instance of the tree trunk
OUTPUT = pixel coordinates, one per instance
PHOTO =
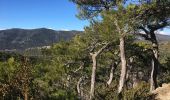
(26, 93)
(94, 55)
(153, 80)
(123, 65)
(79, 89)
(111, 75)
(128, 72)
(155, 64)
(93, 76)
(113, 67)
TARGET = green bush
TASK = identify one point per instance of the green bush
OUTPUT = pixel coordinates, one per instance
(141, 92)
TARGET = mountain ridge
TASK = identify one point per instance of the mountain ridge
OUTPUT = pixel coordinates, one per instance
(21, 39)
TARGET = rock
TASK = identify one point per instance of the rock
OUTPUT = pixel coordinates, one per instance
(162, 93)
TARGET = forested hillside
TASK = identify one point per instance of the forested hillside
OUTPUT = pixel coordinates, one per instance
(107, 61)
(21, 39)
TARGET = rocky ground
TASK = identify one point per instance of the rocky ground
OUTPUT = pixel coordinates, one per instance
(162, 93)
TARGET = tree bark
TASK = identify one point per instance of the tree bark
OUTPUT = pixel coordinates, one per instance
(123, 65)
(79, 89)
(94, 55)
(26, 93)
(112, 69)
(154, 72)
(111, 76)
(150, 36)
(93, 76)
(155, 64)
(128, 72)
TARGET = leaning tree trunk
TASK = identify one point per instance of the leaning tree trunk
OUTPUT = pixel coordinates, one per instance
(155, 64)
(123, 64)
(93, 76)
(112, 69)
(94, 55)
(79, 88)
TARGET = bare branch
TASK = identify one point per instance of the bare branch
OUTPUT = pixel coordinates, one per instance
(158, 26)
(98, 52)
(145, 36)
(81, 66)
(145, 30)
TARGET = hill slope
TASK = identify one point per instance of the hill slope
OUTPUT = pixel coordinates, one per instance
(163, 38)
(21, 39)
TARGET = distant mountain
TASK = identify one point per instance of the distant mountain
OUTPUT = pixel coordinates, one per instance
(163, 38)
(21, 39)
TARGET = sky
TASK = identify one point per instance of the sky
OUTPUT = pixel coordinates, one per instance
(53, 14)
(29, 14)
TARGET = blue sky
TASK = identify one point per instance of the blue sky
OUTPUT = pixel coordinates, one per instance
(55, 14)
(29, 14)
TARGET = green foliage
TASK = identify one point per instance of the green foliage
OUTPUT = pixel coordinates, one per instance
(141, 92)
(104, 92)
(7, 69)
(56, 76)
(16, 80)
